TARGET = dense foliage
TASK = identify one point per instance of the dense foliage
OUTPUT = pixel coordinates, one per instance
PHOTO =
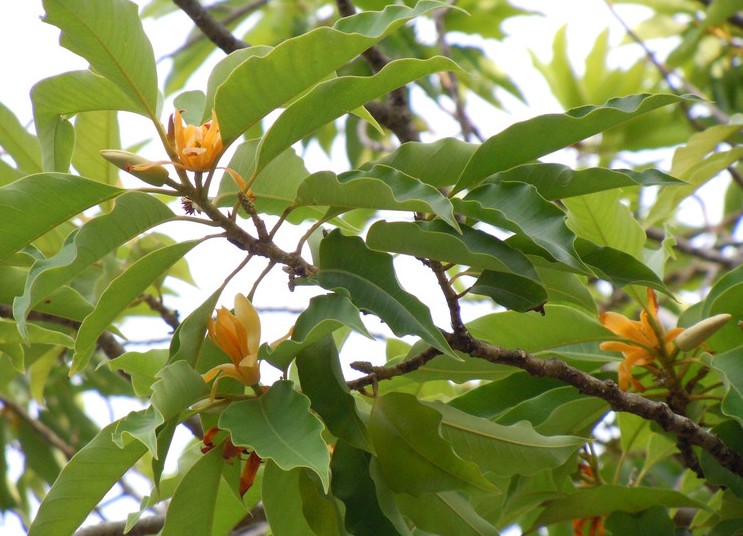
(585, 377)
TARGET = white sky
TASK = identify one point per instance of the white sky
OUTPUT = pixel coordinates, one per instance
(31, 52)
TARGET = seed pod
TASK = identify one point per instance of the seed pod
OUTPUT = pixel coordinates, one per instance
(700, 332)
(145, 170)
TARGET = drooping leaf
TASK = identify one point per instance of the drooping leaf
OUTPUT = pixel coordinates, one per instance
(413, 457)
(528, 140)
(261, 84)
(31, 206)
(133, 214)
(518, 207)
(436, 240)
(504, 450)
(120, 293)
(379, 187)
(333, 98)
(512, 291)
(280, 426)
(83, 482)
(193, 506)
(368, 277)
(115, 46)
(617, 267)
(323, 315)
(603, 500)
(322, 381)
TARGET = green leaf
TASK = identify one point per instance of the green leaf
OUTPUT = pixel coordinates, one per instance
(517, 449)
(98, 130)
(189, 337)
(120, 293)
(447, 513)
(560, 326)
(18, 143)
(323, 316)
(617, 267)
(436, 240)
(379, 187)
(31, 206)
(110, 37)
(140, 426)
(192, 508)
(280, 426)
(603, 500)
(525, 141)
(133, 214)
(651, 522)
(286, 71)
(729, 366)
(83, 482)
(282, 501)
(322, 381)
(333, 98)
(603, 219)
(142, 368)
(556, 181)
(731, 433)
(36, 335)
(511, 291)
(519, 208)
(66, 94)
(368, 277)
(353, 485)
(438, 163)
(178, 386)
(413, 456)
(461, 370)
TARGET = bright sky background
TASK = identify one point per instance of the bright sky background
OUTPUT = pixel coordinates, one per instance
(31, 52)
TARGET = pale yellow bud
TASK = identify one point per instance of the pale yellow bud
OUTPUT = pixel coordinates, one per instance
(701, 331)
(145, 170)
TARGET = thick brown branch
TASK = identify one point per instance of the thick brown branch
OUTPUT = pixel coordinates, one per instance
(211, 27)
(168, 316)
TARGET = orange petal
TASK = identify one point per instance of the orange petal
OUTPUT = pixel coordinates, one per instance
(248, 317)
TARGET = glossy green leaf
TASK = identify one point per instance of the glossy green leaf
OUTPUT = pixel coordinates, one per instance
(120, 293)
(413, 456)
(353, 485)
(461, 370)
(368, 277)
(110, 37)
(525, 141)
(447, 513)
(57, 97)
(140, 426)
(31, 206)
(282, 501)
(617, 267)
(535, 333)
(333, 98)
(280, 426)
(83, 482)
(731, 433)
(512, 291)
(133, 214)
(438, 163)
(178, 386)
(18, 143)
(322, 381)
(436, 240)
(556, 181)
(323, 315)
(519, 208)
(603, 219)
(192, 508)
(566, 288)
(730, 366)
(516, 449)
(285, 72)
(379, 187)
(651, 522)
(603, 500)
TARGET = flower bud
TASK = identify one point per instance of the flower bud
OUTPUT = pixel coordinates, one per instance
(145, 170)
(700, 332)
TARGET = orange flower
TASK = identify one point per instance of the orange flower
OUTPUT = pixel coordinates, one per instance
(645, 340)
(238, 335)
(595, 529)
(197, 147)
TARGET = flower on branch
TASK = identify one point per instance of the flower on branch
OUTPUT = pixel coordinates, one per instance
(229, 451)
(238, 335)
(198, 147)
(644, 340)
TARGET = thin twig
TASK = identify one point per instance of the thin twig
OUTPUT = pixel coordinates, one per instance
(49, 435)
(211, 27)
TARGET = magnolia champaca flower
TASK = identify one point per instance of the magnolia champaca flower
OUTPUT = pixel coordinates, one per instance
(644, 340)
(198, 147)
(238, 335)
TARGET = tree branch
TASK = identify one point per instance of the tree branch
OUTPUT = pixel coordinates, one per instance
(43, 430)
(211, 27)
